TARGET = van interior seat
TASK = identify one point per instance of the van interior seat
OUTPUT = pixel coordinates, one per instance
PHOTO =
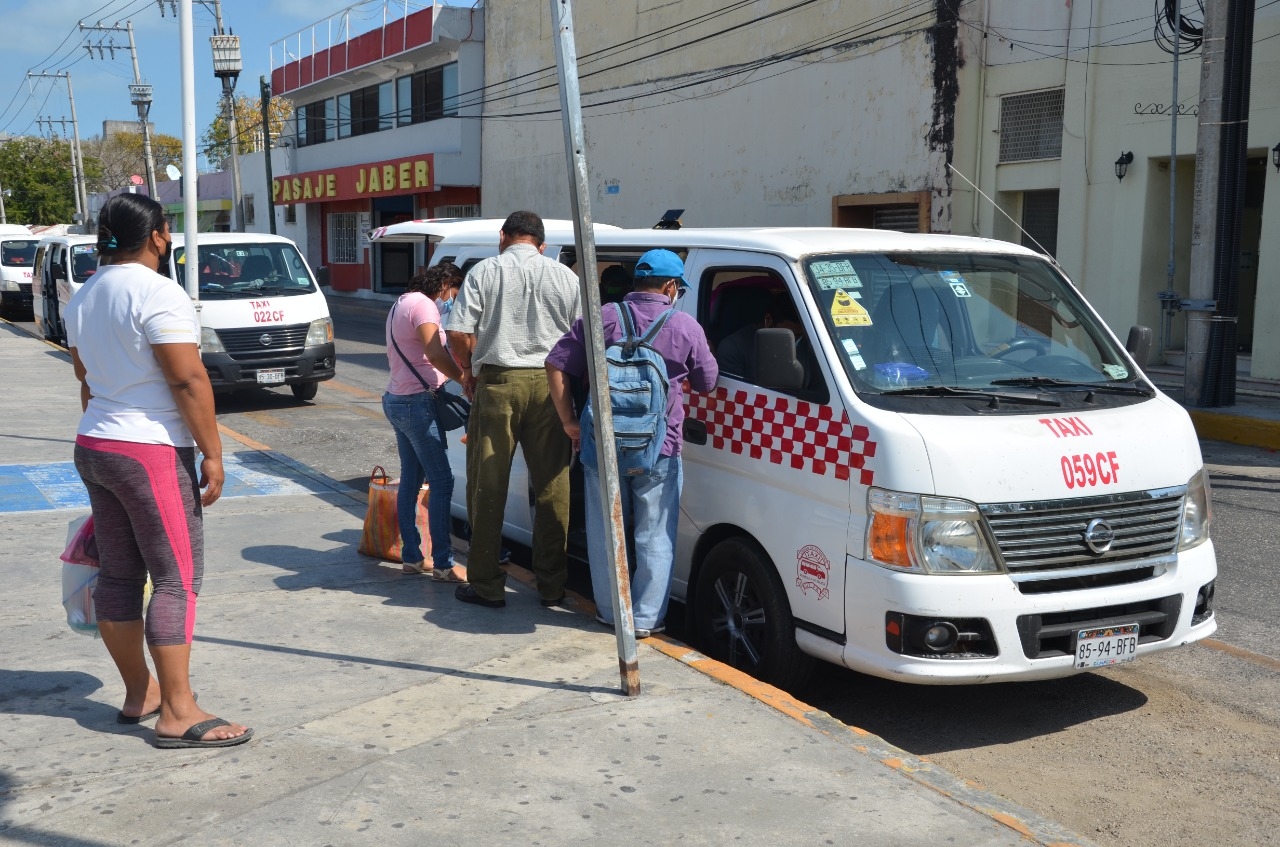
(256, 267)
(737, 303)
(907, 325)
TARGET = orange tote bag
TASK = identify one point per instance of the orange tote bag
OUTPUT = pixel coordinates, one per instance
(381, 538)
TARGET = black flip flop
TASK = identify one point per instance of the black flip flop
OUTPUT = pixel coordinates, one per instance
(121, 717)
(192, 737)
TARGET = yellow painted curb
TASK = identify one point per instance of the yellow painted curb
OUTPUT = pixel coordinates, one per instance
(1251, 432)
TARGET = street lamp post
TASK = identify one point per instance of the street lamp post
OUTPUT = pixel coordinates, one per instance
(226, 67)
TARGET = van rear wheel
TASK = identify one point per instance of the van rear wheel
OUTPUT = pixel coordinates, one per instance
(743, 617)
(305, 390)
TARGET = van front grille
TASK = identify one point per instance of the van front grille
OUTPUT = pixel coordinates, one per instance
(264, 341)
(1044, 543)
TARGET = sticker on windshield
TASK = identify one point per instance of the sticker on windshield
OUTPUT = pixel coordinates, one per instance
(81, 249)
(1116, 371)
(845, 311)
(855, 357)
(835, 275)
(957, 283)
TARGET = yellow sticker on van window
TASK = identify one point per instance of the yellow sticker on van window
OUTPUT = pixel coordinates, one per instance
(846, 311)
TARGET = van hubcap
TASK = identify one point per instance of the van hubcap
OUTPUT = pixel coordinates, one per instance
(738, 619)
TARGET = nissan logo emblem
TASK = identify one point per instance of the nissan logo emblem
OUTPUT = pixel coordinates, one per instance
(1098, 536)
(265, 339)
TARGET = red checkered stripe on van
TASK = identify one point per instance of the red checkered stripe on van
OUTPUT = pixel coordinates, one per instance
(784, 431)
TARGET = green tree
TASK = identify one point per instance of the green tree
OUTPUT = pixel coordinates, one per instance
(120, 157)
(216, 138)
(38, 172)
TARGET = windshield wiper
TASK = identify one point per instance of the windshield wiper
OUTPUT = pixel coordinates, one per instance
(1048, 381)
(951, 391)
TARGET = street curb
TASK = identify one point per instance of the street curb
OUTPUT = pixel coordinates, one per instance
(1250, 432)
(1031, 826)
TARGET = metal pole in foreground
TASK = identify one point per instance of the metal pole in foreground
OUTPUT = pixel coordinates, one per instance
(264, 88)
(584, 236)
(190, 219)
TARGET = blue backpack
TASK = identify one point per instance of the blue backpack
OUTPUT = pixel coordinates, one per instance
(638, 389)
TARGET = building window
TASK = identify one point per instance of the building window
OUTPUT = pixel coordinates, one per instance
(248, 208)
(315, 123)
(291, 214)
(428, 95)
(366, 110)
(1040, 220)
(1031, 125)
(344, 239)
(904, 211)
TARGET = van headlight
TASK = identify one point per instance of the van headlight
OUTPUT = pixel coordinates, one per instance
(210, 342)
(9, 285)
(921, 534)
(1197, 512)
(320, 332)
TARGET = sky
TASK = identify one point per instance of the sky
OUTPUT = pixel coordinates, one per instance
(43, 35)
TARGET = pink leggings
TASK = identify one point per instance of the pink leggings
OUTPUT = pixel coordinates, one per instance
(147, 519)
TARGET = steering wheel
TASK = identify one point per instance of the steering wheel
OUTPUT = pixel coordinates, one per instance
(1039, 345)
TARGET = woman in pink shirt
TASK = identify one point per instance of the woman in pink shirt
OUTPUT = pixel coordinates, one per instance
(420, 363)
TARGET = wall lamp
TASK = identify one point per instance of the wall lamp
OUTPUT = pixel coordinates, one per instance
(1275, 157)
(1122, 165)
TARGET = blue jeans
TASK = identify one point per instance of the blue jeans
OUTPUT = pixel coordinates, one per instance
(421, 444)
(651, 511)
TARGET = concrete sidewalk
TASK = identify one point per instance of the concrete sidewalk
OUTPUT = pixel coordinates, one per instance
(387, 713)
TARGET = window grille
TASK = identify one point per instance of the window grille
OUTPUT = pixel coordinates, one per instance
(455, 212)
(1031, 125)
(344, 240)
(902, 218)
(249, 215)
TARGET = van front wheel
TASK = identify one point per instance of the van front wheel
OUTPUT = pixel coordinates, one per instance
(743, 617)
(305, 390)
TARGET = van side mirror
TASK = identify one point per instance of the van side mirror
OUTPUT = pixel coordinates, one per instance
(776, 364)
(1139, 344)
(57, 271)
(322, 275)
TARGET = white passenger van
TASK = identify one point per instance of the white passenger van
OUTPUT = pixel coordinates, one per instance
(263, 319)
(17, 259)
(955, 474)
(63, 263)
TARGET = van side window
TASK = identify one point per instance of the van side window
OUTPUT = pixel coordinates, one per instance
(735, 302)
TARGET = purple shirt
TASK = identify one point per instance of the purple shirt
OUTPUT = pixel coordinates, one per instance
(681, 343)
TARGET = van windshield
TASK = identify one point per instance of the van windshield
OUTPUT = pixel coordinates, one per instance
(245, 271)
(945, 323)
(17, 254)
(84, 261)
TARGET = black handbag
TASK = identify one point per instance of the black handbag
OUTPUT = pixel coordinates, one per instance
(452, 410)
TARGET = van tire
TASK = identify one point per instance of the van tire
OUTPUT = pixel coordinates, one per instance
(738, 581)
(305, 391)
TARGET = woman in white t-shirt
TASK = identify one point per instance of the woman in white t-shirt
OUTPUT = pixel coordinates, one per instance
(420, 365)
(148, 404)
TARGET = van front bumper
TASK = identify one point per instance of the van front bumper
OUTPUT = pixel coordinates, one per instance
(16, 301)
(313, 364)
(1016, 620)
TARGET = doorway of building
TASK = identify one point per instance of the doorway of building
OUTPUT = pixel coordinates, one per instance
(1255, 181)
(392, 263)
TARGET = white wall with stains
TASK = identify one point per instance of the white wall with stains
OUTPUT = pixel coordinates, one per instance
(732, 145)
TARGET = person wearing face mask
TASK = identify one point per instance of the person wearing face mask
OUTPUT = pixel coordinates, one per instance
(452, 282)
(650, 501)
(148, 404)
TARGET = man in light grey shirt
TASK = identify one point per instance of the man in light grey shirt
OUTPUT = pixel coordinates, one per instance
(511, 310)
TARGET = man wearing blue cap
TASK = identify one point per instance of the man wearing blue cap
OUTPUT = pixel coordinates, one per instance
(650, 501)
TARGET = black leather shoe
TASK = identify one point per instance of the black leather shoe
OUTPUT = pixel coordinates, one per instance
(559, 601)
(467, 594)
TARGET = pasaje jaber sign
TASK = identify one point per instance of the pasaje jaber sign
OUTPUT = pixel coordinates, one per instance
(412, 175)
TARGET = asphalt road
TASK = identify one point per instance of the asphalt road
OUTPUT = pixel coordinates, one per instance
(1178, 749)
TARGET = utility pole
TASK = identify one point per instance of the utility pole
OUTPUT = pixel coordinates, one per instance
(77, 158)
(139, 93)
(1220, 170)
(226, 67)
(3, 219)
(264, 87)
(75, 169)
(584, 237)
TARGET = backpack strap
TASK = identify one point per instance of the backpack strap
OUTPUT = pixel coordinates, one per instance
(630, 342)
(656, 327)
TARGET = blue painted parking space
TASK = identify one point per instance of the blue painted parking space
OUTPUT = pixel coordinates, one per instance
(56, 485)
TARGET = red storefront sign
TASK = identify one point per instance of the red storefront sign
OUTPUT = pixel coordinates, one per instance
(412, 175)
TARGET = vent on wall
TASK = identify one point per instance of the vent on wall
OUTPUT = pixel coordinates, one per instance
(1031, 125)
(903, 218)
(455, 212)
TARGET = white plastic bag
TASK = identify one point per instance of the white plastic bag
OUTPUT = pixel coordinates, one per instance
(80, 575)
